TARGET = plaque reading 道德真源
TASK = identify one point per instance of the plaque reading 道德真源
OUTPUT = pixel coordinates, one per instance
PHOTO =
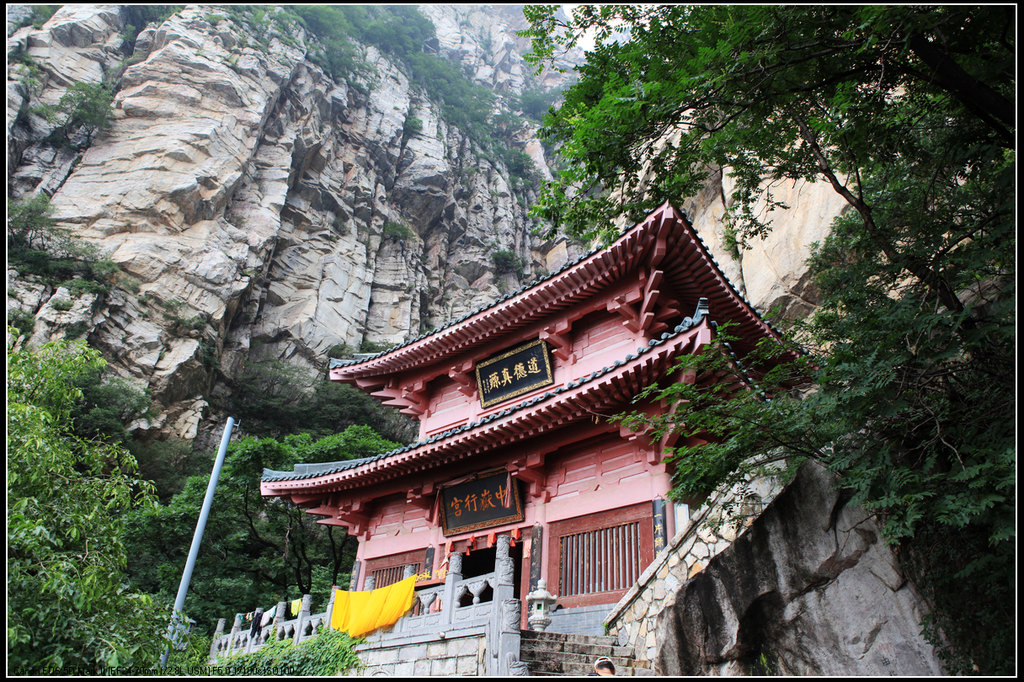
(480, 503)
(514, 373)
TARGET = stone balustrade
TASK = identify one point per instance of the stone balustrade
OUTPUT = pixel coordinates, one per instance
(462, 609)
(240, 639)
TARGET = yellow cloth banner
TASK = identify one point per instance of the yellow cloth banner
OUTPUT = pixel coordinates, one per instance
(296, 606)
(360, 613)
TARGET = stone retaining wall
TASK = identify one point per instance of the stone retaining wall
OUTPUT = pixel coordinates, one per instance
(463, 654)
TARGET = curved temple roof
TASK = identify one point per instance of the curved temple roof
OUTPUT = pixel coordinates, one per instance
(664, 240)
(645, 245)
(575, 400)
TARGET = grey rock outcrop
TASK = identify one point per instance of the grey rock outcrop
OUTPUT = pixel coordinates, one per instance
(245, 196)
(809, 589)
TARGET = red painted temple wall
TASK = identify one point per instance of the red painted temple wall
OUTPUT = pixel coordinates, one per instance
(597, 340)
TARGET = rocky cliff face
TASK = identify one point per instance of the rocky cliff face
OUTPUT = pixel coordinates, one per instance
(247, 196)
(810, 588)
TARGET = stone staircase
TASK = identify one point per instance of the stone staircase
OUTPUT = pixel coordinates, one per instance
(553, 653)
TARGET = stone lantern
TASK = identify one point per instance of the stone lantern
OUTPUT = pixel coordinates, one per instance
(541, 603)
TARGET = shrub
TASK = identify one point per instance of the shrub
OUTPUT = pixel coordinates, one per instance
(85, 106)
(21, 320)
(506, 261)
(328, 653)
(412, 126)
(395, 230)
(339, 350)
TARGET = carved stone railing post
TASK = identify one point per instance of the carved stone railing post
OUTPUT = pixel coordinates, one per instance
(217, 634)
(279, 614)
(453, 576)
(371, 581)
(236, 632)
(507, 611)
(300, 623)
(330, 606)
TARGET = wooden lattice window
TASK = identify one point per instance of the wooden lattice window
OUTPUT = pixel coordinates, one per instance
(594, 559)
(391, 569)
(382, 577)
(600, 560)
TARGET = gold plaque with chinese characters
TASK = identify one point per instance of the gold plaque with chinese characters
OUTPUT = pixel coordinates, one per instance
(514, 373)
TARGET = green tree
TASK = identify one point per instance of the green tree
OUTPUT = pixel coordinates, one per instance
(275, 399)
(37, 246)
(85, 107)
(256, 551)
(907, 113)
(69, 601)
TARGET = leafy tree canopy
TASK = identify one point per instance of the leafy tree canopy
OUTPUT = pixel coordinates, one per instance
(85, 106)
(256, 551)
(69, 603)
(907, 113)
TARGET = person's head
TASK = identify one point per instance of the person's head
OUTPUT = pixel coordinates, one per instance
(604, 666)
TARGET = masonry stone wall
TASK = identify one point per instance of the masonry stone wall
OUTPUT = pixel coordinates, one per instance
(712, 528)
(457, 655)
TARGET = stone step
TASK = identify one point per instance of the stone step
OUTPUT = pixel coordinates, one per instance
(639, 672)
(587, 648)
(562, 656)
(555, 653)
(533, 635)
(582, 670)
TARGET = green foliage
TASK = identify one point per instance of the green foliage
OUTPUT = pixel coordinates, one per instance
(39, 16)
(69, 602)
(85, 107)
(194, 657)
(31, 71)
(62, 304)
(168, 464)
(274, 398)
(506, 261)
(36, 246)
(412, 126)
(109, 402)
(23, 322)
(256, 551)
(339, 350)
(395, 230)
(402, 31)
(367, 346)
(907, 113)
(536, 103)
(328, 653)
(180, 324)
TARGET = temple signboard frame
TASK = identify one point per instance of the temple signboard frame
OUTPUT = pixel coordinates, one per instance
(513, 373)
(480, 503)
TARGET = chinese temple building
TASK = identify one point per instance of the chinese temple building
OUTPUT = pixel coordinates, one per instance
(514, 439)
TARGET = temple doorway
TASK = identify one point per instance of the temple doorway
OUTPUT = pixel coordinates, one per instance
(481, 561)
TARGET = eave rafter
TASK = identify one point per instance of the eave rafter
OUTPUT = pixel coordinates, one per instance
(557, 336)
(462, 375)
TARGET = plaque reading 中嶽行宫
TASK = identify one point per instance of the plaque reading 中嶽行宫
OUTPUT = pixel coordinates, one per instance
(480, 503)
(514, 373)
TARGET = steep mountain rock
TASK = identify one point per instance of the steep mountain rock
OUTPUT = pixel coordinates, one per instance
(811, 588)
(259, 209)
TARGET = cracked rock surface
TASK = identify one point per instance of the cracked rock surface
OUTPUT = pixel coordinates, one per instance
(810, 587)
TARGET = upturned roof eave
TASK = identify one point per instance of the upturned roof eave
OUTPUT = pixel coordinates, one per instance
(529, 303)
(543, 297)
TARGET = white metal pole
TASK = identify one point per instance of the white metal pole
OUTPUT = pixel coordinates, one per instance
(197, 538)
